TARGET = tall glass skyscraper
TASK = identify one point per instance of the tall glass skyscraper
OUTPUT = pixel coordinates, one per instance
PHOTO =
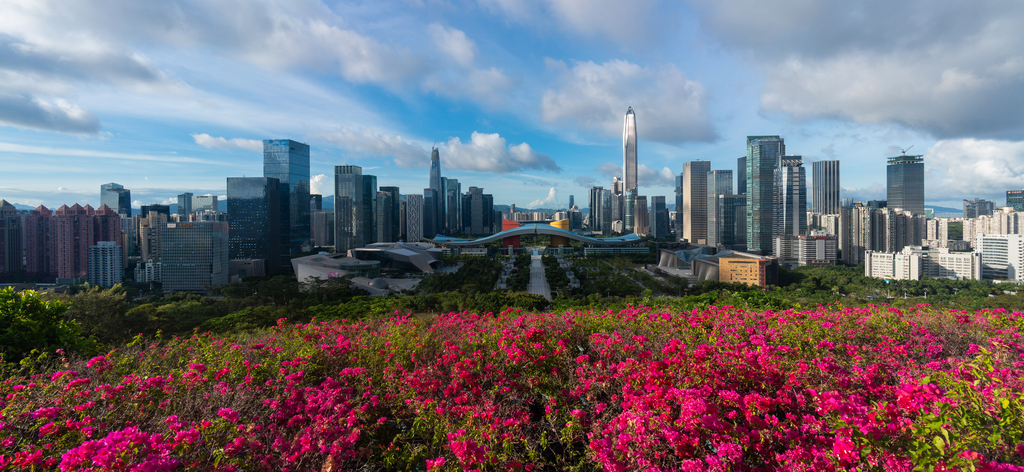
(695, 201)
(254, 212)
(825, 187)
(437, 184)
(790, 196)
(393, 234)
(453, 206)
(719, 183)
(195, 255)
(905, 183)
(117, 198)
(763, 157)
(185, 204)
(288, 162)
(369, 210)
(629, 152)
(348, 208)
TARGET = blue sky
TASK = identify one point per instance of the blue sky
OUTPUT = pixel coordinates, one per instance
(524, 98)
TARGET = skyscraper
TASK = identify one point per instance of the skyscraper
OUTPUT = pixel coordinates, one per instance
(369, 210)
(629, 151)
(395, 200)
(695, 201)
(825, 197)
(413, 218)
(641, 220)
(288, 162)
(741, 176)
(185, 204)
(429, 222)
(117, 198)
(40, 240)
(202, 203)
(453, 206)
(719, 184)
(763, 157)
(437, 205)
(77, 228)
(348, 205)
(790, 197)
(105, 264)
(905, 183)
(679, 208)
(1015, 199)
(195, 255)
(659, 218)
(594, 212)
(254, 212)
(978, 207)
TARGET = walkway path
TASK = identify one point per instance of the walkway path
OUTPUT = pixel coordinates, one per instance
(538, 282)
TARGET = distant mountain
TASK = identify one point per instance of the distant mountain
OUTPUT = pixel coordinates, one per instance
(18, 206)
(946, 211)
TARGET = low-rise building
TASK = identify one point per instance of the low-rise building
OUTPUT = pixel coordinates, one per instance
(815, 251)
(915, 262)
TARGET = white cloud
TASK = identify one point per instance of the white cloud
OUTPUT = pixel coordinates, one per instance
(585, 181)
(53, 151)
(645, 176)
(974, 168)
(615, 19)
(208, 141)
(669, 107)
(317, 184)
(486, 86)
(26, 111)
(454, 43)
(489, 153)
(367, 143)
(550, 201)
(952, 69)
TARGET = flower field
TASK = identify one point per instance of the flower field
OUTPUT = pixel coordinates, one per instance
(643, 389)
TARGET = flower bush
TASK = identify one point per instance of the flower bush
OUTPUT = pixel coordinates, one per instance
(834, 388)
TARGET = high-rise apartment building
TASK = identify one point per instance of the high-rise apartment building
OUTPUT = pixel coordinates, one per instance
(629, 161)
(10, 239)
(40, 241)
(254, 212)
(195, 255)
(978, 207)
(74, 230)
(905, 183)
(348, 208)
(105, 268)
(825, 187)
(117, 198)
(763, 157)
(695, 201)
(790, 196)
(288, 162)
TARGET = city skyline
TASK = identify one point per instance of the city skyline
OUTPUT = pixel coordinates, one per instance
(524, 99)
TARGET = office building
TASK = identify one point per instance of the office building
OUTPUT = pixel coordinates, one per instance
(392, 233)
(594, 209)
(790, 196)
(369, 210)
(719, 184)
(385, 218)
(195, 255)
(10, 239)
(660, 226)
(978, 207)
(1015, 199)
(728, 227)
(641, 221)
(695, 201)
(155, 208)
(117, 198)
(905, 183)
(1002, 255)
(204, 203)
(105, 268)
(825, 187)
(453, 206)
(288, 162)
(348, 208)
(413, 218)
(478, 212)
(434, 202)
(572, 201)
(316, 203)
(763, 157)
(677, 215)
(254, 213)
(321, 228)
(629, 212)
(741, 176)
(151, 229)
(430, 213)
(629, 156)
(185, 204)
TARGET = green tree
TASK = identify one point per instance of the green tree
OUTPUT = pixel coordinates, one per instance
(28, 322)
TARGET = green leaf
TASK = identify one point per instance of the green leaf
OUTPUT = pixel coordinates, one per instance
(939, 444)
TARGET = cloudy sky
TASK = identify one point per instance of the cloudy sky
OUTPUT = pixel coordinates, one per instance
(523, 98)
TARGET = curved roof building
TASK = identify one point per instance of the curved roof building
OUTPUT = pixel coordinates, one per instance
(539, 228)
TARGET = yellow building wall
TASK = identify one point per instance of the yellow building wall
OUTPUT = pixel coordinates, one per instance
(742, 270)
